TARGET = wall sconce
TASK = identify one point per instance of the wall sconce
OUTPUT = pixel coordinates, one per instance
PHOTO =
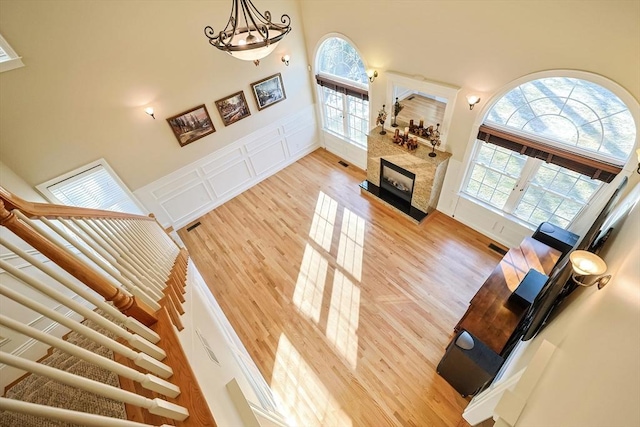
(588, 269)
(472, 100)
(149, 111)
(286, 59)
(372, 74)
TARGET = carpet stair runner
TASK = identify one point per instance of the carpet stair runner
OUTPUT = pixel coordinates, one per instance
(42, 390)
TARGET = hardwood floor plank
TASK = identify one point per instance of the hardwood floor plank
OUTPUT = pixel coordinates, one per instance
(345, 305)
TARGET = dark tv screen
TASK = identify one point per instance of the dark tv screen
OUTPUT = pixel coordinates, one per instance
(559, 285)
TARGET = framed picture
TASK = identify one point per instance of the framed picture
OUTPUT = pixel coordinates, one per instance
(233, 108)
(268, 91)
(191, 125)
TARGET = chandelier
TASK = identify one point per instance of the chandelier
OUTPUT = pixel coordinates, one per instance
(249, 34)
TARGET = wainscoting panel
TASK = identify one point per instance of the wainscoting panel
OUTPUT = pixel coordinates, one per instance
(271, 156)
(177, 186)
(186, 194)
(298, 140)
(222, 160)
(234, 176)
(187, 201)
(349, 152)
(263, 139)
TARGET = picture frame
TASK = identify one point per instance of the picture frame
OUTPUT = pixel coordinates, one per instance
(268, 91)
(233, 108)
(191, 125)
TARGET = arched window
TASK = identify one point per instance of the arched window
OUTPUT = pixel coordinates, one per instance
(343, 90)
(545, 148)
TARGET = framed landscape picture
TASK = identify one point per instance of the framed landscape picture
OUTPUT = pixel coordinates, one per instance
(191, 125)
(233, 108)
(268, 91)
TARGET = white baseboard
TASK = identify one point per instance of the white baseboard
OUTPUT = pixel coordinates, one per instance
(188, 193)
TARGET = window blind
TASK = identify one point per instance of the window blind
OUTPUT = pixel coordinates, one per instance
(596, 169)
(341, 87)
(94, 188)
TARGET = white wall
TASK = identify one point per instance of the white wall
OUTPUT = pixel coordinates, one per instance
(92, 67)
(10, 181)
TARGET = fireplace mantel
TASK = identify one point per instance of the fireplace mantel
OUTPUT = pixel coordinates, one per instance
(429, 171)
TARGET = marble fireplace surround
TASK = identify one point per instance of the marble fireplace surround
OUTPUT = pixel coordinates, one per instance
(429, 171)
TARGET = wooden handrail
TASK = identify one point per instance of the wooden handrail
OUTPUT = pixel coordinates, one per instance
(51, 211)
(128, 305)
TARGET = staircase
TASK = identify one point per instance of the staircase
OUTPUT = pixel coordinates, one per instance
(108, 288)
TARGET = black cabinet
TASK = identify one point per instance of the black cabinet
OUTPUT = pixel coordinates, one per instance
(468, 364)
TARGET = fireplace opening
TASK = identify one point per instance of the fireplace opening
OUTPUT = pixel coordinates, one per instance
(396, 180)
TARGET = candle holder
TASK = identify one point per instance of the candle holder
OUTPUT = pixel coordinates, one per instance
(397, 107)
(433, 136)
(382, 116)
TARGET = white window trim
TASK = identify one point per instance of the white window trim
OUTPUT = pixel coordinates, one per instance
(583, 219)
(43, 188)
(522, 184)
(345, 119)
(14, 62)
(320, 94)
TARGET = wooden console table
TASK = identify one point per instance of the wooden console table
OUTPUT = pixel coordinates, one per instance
(490, 316)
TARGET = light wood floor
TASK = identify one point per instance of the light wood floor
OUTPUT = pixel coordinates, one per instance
(345, 305)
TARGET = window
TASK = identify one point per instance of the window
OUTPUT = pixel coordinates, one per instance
(546, 147)
(93, 186)
(343, 90)
(9, 59)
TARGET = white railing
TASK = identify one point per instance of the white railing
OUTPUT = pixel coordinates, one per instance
(148, 381)
(128, 322)
(124, 266)
(127, 260)
(135, 341)
(154, 406)
(65, 415)
(139, 358)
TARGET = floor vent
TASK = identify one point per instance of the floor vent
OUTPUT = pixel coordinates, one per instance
(497, 249)
(191, 227)
(346, 165)
(410, 98)
(206, 346)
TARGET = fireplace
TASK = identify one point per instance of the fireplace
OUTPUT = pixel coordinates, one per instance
(396, 180)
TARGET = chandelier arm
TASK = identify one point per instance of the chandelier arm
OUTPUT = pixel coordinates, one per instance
(255, 21)
(267, 19)
(243, 3)
(223, 39)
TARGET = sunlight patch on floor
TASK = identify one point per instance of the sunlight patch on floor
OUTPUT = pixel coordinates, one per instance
(298, 389)
(351, 246)
(324, 219)
(344, 313)
(307, 295)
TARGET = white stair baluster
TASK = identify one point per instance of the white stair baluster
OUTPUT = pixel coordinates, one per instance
(129, 322)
